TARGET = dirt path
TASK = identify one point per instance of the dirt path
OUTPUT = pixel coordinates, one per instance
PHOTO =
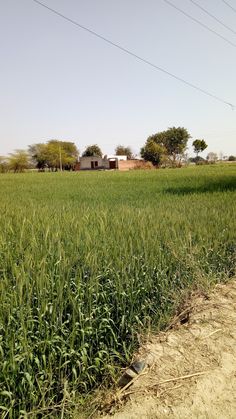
(205, 343)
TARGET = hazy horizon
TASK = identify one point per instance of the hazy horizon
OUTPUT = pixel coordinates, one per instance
(58, 81)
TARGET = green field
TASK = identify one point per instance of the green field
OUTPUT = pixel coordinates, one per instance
(88, 261)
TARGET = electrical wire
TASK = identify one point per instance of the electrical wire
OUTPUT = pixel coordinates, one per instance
(199, 22)
(212, 16)
(229, 5)
(108, 41)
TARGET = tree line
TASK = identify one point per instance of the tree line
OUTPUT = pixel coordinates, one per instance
(53, 156)
(163, 149)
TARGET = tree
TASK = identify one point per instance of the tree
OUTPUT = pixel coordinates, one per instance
(175, 141)
(92, 151)
(54, 154)
(38, 153)
(171, 143)
(232, 158)
(212, 157)
(4, 167)
(61, 155)
(71, 154)
(153, 152)
(124, 151)
(18, 161)
(199, 146)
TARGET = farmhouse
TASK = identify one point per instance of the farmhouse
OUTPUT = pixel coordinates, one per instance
(107, 163)
(98, 163)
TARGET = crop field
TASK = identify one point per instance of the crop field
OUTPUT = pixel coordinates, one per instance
(89, 261)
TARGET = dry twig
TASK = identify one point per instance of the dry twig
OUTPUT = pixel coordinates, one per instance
(183, 377)
(212, 333)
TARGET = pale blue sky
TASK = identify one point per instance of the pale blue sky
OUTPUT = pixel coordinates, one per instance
(57, 81)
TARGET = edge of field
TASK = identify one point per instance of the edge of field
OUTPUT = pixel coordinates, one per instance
(190, 368)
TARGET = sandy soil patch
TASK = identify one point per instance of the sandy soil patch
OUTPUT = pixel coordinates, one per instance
(191, 369)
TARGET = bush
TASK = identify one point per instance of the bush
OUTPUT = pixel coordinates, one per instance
(198, 160)
(4, 168)
(144, 165)
(201, 162)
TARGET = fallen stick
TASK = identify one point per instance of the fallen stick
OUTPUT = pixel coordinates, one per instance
(212, 333)
(183, 377)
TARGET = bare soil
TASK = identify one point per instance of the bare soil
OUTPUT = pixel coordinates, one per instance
(191, 368)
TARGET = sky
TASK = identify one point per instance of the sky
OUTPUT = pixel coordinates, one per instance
(60, 82)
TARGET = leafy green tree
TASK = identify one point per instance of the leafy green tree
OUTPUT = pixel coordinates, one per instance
(71, 154)
(61, 154)
(38, 153)
(199, 146)
(92, 151)
(171, 143)
(232, 158)
(175, 141)
(18, 161)
(153, 152)
(124, 151)
(54, 155)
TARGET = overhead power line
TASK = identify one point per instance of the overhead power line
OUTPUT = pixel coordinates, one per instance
(118, 46)
(229, 5)
(212, 16)
(199, 22)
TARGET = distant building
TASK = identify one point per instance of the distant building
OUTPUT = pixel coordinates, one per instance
(119, 158)
(108, 163)
(98, 163)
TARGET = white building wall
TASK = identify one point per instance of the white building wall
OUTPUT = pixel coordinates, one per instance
(98, 163)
